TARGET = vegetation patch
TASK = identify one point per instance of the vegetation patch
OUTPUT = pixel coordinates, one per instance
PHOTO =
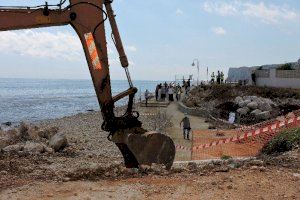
(285, 141)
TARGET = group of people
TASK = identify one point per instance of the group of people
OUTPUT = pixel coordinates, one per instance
(168, 91)
(219, 78)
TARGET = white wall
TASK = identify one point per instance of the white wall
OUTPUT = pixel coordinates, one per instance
(274, 81)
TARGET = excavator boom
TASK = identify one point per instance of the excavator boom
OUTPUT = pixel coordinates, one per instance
(87, 18)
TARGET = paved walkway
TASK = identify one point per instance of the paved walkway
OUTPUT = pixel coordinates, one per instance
(175, 131)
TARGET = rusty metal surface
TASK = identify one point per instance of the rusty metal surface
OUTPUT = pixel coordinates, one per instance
(147, 147)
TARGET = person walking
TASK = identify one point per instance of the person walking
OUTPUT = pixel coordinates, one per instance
(218, 77)
(147, 95)
(186, 127)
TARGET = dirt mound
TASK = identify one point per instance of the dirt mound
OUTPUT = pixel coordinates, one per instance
(228, 92)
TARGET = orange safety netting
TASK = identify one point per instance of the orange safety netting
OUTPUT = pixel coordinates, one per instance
(244, 145)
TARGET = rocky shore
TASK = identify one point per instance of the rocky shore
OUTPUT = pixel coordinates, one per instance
(51, 149)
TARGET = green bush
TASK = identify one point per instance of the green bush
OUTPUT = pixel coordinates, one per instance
(225, 157)
(284, 141)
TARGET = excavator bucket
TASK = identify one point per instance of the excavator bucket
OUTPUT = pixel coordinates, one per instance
(146, 148)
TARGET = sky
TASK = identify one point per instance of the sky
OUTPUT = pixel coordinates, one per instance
(162, 38)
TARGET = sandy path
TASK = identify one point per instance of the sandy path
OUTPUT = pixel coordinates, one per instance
(175, 131)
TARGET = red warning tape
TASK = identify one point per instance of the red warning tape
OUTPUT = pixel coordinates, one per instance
(275, 126)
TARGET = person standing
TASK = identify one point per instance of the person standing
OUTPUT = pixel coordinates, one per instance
(156, 92)
(171, 93)
(159, 92)
(222, 77)
(163, 93)
(147, 95)
(218, 77)
(213, 78)
(186, 127)
(178, 93)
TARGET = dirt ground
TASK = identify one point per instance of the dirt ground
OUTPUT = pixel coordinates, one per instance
(249, 184)
(91, 168)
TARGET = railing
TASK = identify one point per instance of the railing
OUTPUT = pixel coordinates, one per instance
(263, 73)
(287, 73)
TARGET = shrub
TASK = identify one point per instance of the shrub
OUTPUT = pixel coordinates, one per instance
(284, 141)
(225, 157)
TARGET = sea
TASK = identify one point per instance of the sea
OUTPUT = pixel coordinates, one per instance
(39, 99)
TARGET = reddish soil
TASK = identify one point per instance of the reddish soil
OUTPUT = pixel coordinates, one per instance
(237, 184)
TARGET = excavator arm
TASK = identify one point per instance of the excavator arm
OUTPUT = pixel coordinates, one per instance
(87, 19)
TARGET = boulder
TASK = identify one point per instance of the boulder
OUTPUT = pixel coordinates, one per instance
(264, 115)
(189, 103)
(244, 103)
(48, 133)
(237, 100)
(256, 112)
(13, 148)
(252, 105)
(264, 106)
(58, 142)
(4, 142)
(243, 111)
(250, 98)
(34, 148)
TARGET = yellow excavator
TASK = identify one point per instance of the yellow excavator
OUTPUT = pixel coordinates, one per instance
(87, 17)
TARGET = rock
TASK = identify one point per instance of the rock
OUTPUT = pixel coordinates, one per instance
(7, 123)
(144, 168)
(244, 103)
(229, 187)
(58, 142)
(256, 112)
(237, 100)
(158, 167)
(13, 148)
(3, 172)
(252, 105)
(48, 133)
(192, 166)
(33, 132)
(4, 142)
(222, 169)
(250, 98)
(214, 183)
(189, 103)
(23, 131)
(12, 134)
(265, 106)
(33, 148)
(48, 150)
(256, 162)
(243, 111)
(264, 115)
(253, 167)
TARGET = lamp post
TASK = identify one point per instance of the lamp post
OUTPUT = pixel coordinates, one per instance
(193, 64)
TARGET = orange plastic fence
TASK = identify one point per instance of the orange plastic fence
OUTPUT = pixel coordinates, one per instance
(247, 141)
